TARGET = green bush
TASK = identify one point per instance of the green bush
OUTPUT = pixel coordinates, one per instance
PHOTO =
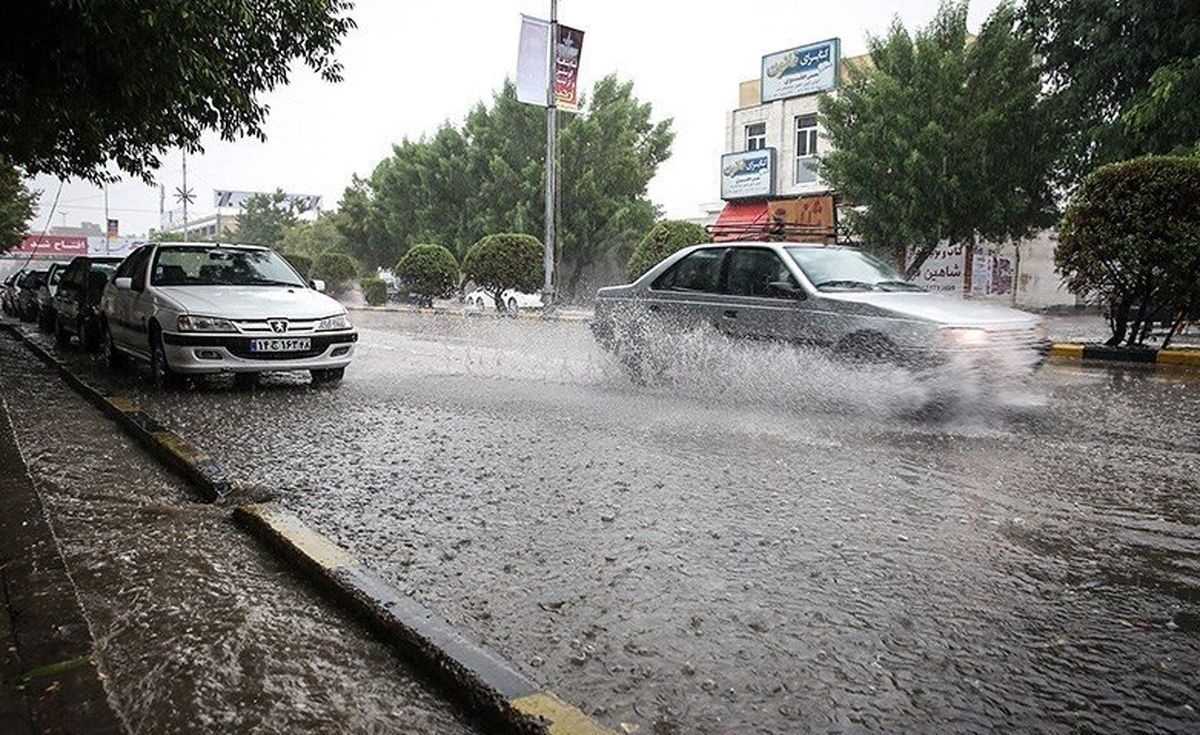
(1130, 240)
(301, 263)
(662, 240)
(429, 272)
(502, 261)
(374, 290)
(336, 269)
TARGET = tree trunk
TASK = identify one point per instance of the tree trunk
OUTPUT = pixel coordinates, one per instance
(1118, 322)
(573, 281)
(919, 260)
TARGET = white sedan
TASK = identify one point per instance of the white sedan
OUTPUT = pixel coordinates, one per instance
(212, 308)
(512, 300)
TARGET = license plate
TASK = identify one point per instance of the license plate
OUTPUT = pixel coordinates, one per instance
(296, 344)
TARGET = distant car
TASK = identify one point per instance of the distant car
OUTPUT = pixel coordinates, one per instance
(8, 292)
(835, 297)
(45, 296)
(25, 304)
(512, 301)
(77, 300)
(190, 308)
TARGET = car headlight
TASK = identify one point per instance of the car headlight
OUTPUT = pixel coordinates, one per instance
(330, 323)
(964, 337)
(192, 323)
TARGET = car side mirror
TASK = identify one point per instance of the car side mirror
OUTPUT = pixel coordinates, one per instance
(124, 283)
(317, 284)
(786, 288)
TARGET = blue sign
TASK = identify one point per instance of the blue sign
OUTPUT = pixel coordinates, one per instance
(800, 71)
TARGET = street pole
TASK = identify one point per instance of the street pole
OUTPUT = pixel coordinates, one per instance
(107, 236)
(551, 173)
(185, 199)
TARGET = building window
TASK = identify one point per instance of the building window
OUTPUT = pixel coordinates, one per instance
(806, 149)
(756, 136)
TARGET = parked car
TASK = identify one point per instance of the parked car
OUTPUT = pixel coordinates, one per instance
(8, 292)
(77, 300)
(190, 309)
(840, 298)
(512, 300)
(25, 304)
(45, 296)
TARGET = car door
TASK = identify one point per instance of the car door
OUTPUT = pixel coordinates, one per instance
(764, 300)
(688, 295)
(120, 312)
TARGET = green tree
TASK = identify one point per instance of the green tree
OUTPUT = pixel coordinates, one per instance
(16, 206)
(302, 263)
(311, 238)
(1125, 76)
(942, 139)
(336, 269)
(1130, 239)
(487, 176)
(503, 261)
(89, 83)
(662, 240)
(264, 218)
(429, 271)
(374, 291)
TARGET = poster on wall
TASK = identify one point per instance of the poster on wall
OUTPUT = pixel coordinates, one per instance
(942, 271)
(799, 71)
(748, 175)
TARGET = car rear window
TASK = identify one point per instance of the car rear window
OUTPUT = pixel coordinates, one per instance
(699, 271)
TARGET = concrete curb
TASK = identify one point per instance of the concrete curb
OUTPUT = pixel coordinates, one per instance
(463, 314)
(205, 474)
(491, 685)
(1102, 353)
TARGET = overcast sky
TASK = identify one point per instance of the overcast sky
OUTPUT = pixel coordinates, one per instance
(411, 65)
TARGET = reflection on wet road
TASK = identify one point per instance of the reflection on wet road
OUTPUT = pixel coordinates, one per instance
(764, 544)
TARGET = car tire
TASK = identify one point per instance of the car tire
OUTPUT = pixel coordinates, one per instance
(160, 370)
(113, 356)
(61, 338)
(327, 375)
(89, 341)
(43, 321)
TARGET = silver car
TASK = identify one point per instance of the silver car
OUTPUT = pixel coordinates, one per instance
(835, 297)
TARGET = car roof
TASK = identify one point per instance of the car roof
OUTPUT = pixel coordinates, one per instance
(241, 246)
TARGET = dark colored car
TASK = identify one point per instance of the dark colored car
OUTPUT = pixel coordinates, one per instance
(25, 301)
(77, 301)
(8, 293)
(45, 296)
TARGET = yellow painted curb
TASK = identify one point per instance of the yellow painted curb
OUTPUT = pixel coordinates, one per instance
(1072, 351)
(124, 405)
(563, 718)
(1191, 358)
(311, 544)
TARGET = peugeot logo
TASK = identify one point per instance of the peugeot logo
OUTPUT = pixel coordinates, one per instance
(279, 326)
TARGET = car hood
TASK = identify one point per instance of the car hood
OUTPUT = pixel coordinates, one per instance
(938, 309)
(252, 302)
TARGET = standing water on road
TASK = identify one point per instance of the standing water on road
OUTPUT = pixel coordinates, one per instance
(762, 543)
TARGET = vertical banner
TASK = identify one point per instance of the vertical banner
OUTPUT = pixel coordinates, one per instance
(567, 48)
(113, 228)
(533, 55)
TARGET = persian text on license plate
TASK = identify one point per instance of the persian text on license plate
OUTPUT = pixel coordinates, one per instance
(296, 344)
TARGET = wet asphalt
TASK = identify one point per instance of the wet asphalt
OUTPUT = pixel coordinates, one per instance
(768, 542)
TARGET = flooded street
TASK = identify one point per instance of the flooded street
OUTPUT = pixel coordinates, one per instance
(767, 542)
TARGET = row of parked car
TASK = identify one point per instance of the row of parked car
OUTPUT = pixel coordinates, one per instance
(189, 309)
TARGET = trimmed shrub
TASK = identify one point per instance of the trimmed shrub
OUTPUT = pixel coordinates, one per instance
(503, 261)
(429, 272)
(374, 290)
(662, 240)
(302, 263)
(1130, 240)
(336, 269)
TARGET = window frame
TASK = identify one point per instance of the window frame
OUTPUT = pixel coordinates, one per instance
(760, 138)
(727, 266)
(656, 286)
(811, 136)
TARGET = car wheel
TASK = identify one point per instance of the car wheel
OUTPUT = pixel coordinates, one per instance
(327, 375)
(88, 339)
(61, 338)
(160, 369)
(114, 357)
(43, 320)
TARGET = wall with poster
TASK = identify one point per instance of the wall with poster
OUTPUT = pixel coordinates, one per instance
(942, 272)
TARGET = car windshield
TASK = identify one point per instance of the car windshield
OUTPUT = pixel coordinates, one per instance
(844, 269)
(217, 266)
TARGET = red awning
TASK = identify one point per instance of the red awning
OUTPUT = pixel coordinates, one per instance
(740, 218)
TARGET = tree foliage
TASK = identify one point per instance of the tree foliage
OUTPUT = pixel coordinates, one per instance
(428, 271)
(502, 261)
(1130, 239)
(1125, 76)
(336, 269)
(487, 175)
(374, 291)
(302, 263)
(314, 237)
(83, 84)
(16, 206)
(662, 240)
(942, 138)
(264, 218)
